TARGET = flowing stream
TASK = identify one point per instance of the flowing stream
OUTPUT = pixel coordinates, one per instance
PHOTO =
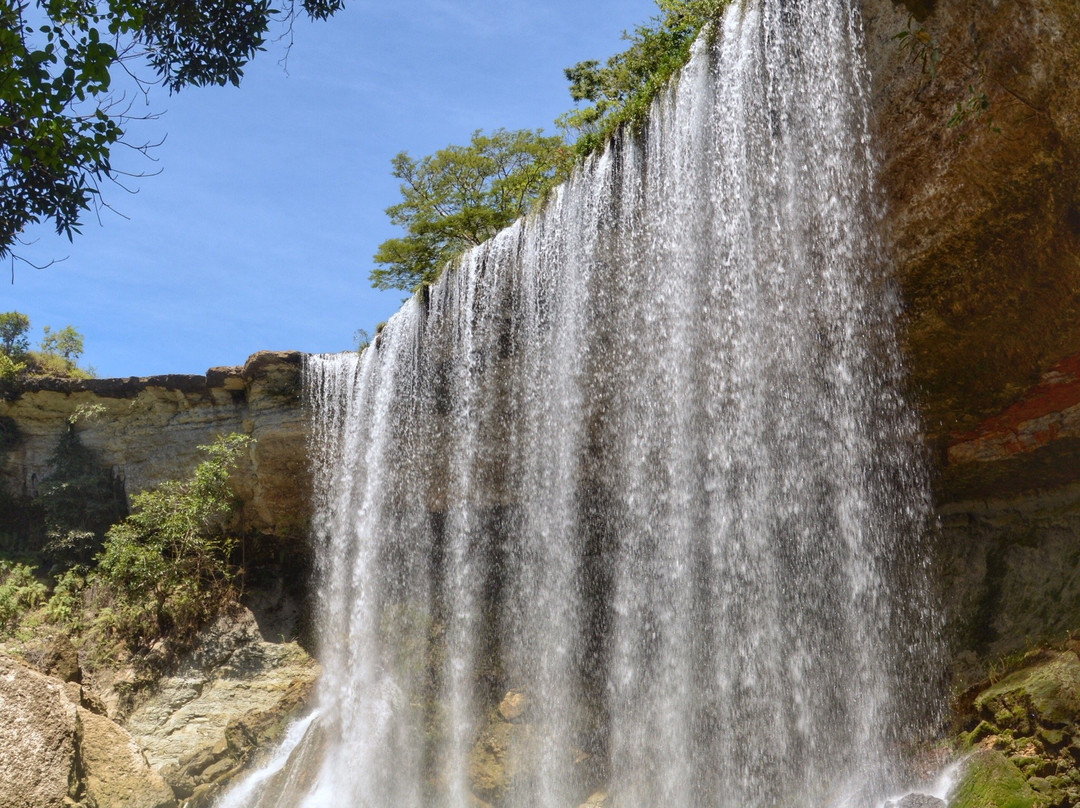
(638, 473)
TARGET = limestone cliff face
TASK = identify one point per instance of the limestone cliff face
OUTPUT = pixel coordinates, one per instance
(149, 430)
(984, 214)
(977, 121)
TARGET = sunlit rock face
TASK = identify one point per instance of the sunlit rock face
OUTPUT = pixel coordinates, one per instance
(983, 214)
(148, 430)
(984, 231)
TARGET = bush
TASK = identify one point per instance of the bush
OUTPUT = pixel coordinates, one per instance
(20, 592)
(65, 605)
(620, 91)
(166, 568)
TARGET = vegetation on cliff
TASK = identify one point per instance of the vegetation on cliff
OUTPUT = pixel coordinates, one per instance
(162, 572)
(462, 195)
(57, 354)
(620, 91)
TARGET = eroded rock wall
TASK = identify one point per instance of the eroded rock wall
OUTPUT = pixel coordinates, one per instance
(977, 121)
(149, 430)
(984, 210)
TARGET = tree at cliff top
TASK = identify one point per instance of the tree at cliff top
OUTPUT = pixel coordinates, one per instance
(13, 328)
(58, 355)
(621, 90)
(61, 113)
(461, 196)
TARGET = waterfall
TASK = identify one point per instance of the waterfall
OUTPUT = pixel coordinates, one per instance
(630, 500)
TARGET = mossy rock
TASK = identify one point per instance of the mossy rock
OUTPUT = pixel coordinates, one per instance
(990, 780)
(1049, 693)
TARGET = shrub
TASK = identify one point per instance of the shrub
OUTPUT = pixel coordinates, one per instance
(20, 592)
(166, 566)
(620, 91)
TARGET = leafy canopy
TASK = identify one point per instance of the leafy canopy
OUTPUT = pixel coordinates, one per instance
(60, 112)
(58, 354)
(620, 90)
(13, 339)
(66, 343)
(461, 196)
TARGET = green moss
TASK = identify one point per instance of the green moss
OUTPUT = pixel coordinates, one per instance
(990, 780)
(1051, 737)
(984, 730)
(1048, 693)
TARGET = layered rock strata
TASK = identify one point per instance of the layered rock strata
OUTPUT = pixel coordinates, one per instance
(149, 429)
(977, 123)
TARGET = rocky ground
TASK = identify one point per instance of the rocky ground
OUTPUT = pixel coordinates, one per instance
(174, 744)
(1022, 732)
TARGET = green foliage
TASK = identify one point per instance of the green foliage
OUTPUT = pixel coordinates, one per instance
(166, 566)
(41, 363)
(916, 42)
(60, 114)
(65, 605)
(59, 350)
(462, 195)
(9, 371)
(973, 108)
(361, 340)
(20, 591)
(459, 197)
(921, 47)
(621, 90)
(66, 343)
(13, 340)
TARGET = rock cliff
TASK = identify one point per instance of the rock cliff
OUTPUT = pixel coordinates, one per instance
(977, 122)
(149, 430)
(977, 117)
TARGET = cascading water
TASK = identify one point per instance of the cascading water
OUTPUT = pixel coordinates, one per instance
(642, 458)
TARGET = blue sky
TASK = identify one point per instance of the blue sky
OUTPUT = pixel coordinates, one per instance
(259, 231)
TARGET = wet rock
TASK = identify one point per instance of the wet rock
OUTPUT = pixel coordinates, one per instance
(598, 799)
(990, 780)
(1046, 694)
(513, 705)
(499, 760)
(917, 801)
(116, 773)
(982, 214)
(232, 696)
(37, 738)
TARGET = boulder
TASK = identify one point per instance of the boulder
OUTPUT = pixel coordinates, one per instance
(37, 738)
(1046, 695)
(62, 660)
(500, 760)
(991, 780)
(917, 801)
(513, 705)
(116, 775)
(235, 694)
